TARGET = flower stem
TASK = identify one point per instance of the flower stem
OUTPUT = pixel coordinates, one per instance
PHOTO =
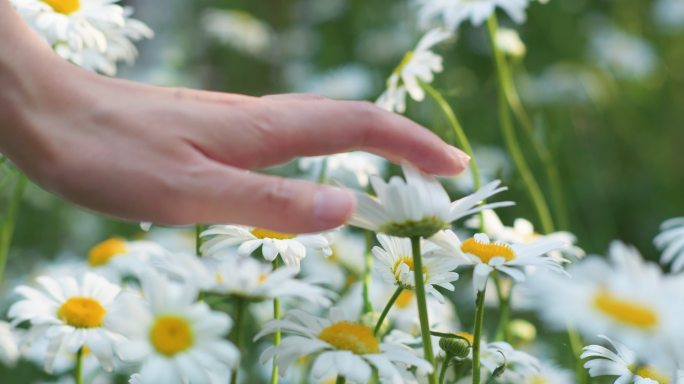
(323, 172)
(198, 239)
(78, 370)
(422, 307)
(477, 334)
(276, 335)
(512, 143)
(502, 331)
(445, 366)
(340, 379)
(385, 311)
(367, 273)
(9, 222)
(240, 307)
(576, 346)
(550, 166)
(461, 136)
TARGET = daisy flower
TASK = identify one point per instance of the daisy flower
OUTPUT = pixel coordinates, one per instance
(548, 374)
(620, 361)
(253, 280)
(9, 352)
(623, 297)
(196, 273)
(116, 258)
(671, 242)
(416, 206)
(396, 266)
(419, 64)
(74, 23)
(120, 47)
(341, 347)
(486, 256)
(343, 266)
(177, 339)
(455, 12)
(522, 232)
(290, 247)
(94, 34)
(70, 313)
(356, 167)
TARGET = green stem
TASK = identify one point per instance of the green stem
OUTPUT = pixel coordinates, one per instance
(385, 311)
(340, 379)
(460, 134)
(443, 334)
(78, 370)
(502, 331)
(9, 222)
(367, 273)
(276, 335)
(550, 166)
(509, 135)
(461, 137)
(445, 366)
(576, 346)
(198, 239)
(240, 307)
(322, 174)
(422, 307)
(477, 334)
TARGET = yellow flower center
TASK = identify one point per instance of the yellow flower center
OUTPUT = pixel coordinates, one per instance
(268, 234)
(263, 277)
(171, 334)
(218, 277)
(405, 299)
(404, 61)
(487, 251)
(648, 372)
(352, 337)
(537, 379)
(467, 336)
(64, 6)
(101, 253)
(631, 313)
(82, 312)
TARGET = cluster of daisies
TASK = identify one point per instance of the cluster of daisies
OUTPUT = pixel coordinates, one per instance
(372, 302)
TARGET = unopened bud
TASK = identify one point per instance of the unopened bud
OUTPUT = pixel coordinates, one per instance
(457, 347)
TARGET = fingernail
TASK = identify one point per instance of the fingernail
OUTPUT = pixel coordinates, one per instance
(460, 156)
(332, 206)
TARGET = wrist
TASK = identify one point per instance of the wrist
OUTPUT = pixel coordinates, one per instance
(32, 78)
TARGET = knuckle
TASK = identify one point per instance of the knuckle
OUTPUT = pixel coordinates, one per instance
(279, 196)
(370, 119)
(180, 93)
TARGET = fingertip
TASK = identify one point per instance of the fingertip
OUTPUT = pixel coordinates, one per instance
(332, 207)
(459, 160)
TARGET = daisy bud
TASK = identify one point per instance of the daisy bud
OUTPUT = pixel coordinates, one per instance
(455, 346)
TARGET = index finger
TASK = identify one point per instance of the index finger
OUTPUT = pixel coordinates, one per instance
(277, 130)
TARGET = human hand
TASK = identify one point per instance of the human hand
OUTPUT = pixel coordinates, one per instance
(179, 156)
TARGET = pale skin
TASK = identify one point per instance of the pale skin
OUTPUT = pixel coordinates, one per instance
(181, 156)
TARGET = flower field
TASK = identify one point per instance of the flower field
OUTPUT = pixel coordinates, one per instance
(556, 257)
